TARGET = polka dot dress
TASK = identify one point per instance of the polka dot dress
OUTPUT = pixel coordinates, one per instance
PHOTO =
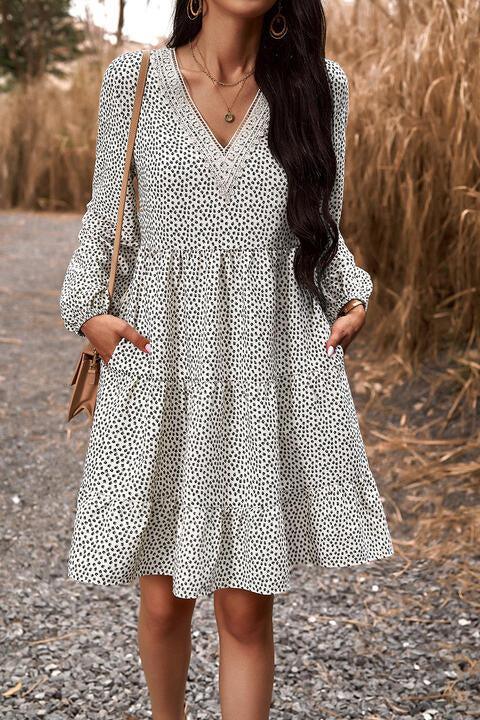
(232, 452)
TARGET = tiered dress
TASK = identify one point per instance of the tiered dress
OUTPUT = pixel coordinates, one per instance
(232, 452)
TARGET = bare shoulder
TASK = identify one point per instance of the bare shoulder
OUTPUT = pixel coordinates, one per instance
(338, 80)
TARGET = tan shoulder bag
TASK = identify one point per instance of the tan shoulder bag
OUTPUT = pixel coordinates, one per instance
(87, 372)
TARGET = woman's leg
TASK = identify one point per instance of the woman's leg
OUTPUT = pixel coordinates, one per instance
(245, 630)
(164, 641)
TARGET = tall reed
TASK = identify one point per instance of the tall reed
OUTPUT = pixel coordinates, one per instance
(47, 138)
(413, 166)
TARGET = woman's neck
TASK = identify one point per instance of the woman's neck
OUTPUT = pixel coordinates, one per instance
(228, 43)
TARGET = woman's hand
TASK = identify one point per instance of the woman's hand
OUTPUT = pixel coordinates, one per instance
(105, 332)
(345, 328)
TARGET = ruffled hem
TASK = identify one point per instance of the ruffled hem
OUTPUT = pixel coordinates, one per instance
(268, 588)
(256, 548)
(221, 485)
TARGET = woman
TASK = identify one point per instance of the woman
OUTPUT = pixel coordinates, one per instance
(225, 447)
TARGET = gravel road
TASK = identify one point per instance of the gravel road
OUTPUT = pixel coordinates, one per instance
(391, 640)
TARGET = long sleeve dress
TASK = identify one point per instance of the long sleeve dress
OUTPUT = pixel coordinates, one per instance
(232, 452)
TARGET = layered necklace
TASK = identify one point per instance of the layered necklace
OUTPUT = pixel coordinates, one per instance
(228, 116)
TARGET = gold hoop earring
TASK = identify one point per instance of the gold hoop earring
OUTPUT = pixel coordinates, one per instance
(191, 13)
(279, 17)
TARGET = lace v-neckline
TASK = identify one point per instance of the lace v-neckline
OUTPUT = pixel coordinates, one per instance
(226, 162)
(223, 148)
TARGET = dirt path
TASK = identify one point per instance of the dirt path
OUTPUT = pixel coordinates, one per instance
(391, 640)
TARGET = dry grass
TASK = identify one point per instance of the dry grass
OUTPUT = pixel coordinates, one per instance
(413, 166)
(423, 442)
(47, 139)
(412, 211)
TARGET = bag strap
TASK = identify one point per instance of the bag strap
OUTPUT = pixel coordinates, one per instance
(137, 104)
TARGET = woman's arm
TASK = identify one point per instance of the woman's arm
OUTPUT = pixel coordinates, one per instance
(84, 293)
(343, 279)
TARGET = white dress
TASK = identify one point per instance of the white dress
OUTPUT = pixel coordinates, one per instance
(232, 452)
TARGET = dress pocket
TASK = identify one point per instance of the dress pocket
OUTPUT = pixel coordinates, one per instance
(340, 357)
(128, 359)
(116, 351)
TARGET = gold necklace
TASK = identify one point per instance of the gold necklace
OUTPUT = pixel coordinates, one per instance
(229, 117)
(213, 79)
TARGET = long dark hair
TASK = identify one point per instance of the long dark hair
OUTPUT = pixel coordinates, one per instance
(292, 74)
